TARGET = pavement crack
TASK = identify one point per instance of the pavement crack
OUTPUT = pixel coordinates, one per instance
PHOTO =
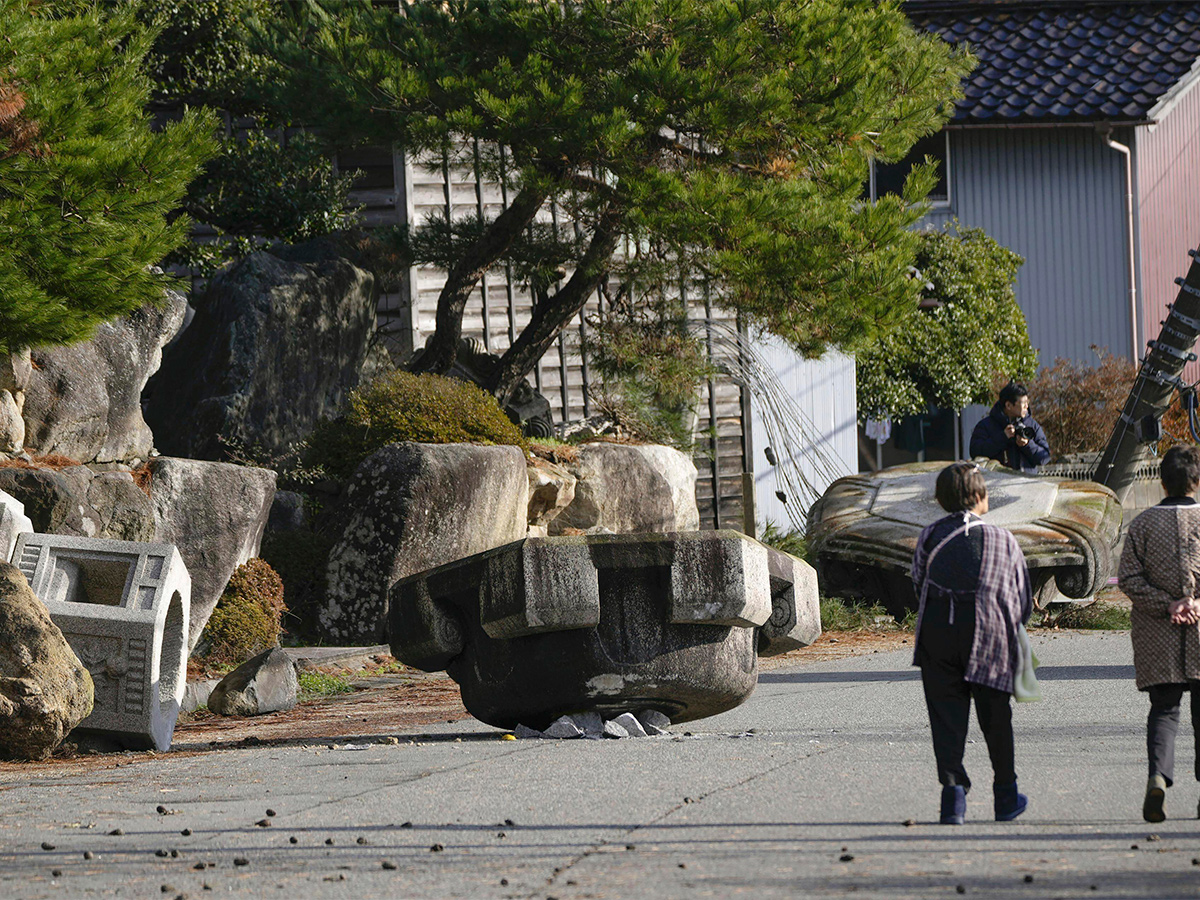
(598, 847)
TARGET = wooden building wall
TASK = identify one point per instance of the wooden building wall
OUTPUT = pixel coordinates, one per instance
(402, 189)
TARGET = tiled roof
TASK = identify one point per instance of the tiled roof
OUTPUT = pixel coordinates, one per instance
(1063, 61)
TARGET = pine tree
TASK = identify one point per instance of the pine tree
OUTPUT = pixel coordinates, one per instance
(87, 186)
(730, 136)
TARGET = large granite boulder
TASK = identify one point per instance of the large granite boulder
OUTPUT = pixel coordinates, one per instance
(551, 490)
(630, 489)
(84, 401)
(81, 502)
(215, 514)
(275, 346)
(410, 507)
(44, 689)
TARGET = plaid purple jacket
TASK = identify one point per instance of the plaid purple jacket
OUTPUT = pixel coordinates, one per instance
(1002, 601)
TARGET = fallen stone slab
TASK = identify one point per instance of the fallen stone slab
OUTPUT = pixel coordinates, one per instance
(263, 684)
(606, 624)
(123, 608)
(45, 691)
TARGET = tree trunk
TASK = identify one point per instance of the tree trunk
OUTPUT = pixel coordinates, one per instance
(549, 318)
(442, 347)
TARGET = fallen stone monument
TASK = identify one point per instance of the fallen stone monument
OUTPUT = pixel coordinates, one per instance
(608, 624)
(123, 608)
(863, 530)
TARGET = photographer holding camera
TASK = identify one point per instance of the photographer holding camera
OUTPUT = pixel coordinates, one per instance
(1009, 434)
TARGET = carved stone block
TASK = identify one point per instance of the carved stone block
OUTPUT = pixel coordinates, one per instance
(123, 607)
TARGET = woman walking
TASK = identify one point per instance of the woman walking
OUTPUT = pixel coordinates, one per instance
(973, 586)
(1160, 565)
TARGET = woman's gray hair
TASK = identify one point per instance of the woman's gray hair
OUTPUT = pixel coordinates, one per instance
(960, 486)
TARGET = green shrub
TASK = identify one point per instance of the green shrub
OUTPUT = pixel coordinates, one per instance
(838, 614)
(247, 618)
(300, 557)
(789, 540)
(401, 406)
(1096, 616)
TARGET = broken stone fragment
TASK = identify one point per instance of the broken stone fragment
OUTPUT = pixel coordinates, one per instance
(653, 722)
(614, 729)
(525, 733)
(563, 727)
(631, 725)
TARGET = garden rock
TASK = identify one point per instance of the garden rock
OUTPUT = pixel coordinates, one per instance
(266, 683)
(81, 502)
(12, 426)
(266, 329)
(629, 488)
(411, 507)
(84, 400)
(215, 514)
(44, 689)
(551, 490)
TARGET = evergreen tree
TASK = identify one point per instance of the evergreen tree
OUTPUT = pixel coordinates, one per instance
(732, 136)
(87, 186)
(969, 333)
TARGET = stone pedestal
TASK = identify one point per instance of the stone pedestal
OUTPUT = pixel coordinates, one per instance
(547, 627)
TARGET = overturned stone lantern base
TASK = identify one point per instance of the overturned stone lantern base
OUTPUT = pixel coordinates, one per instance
(547, 627)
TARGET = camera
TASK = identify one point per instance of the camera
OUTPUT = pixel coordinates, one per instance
(1020, 430)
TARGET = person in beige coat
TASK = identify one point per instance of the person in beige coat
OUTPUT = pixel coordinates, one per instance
(1160, 573)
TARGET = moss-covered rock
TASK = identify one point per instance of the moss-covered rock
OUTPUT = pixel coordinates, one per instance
(248, 617)
(401, 406)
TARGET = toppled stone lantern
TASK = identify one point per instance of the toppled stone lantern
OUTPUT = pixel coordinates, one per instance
(123, 608)
(547, 627)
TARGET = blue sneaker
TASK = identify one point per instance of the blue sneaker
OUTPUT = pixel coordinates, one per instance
(954, 804)
(1009, 803)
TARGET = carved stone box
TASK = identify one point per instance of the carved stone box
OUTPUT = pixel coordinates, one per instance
(123, 608)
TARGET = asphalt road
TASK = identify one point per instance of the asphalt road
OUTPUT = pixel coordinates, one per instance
(802, 792)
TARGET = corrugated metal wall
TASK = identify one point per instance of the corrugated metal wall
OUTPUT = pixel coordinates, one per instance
(1167, 167)
(1055, 196)
(824, 390)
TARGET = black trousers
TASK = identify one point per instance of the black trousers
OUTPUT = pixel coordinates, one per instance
(1162, 726)
(943, 652)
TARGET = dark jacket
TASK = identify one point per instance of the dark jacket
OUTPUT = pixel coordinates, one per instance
(988, 439)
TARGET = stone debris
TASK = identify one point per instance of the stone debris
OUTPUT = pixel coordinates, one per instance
(646, 723)
(563, 727)
(653, 722)
(612, 728)
(632, 726)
